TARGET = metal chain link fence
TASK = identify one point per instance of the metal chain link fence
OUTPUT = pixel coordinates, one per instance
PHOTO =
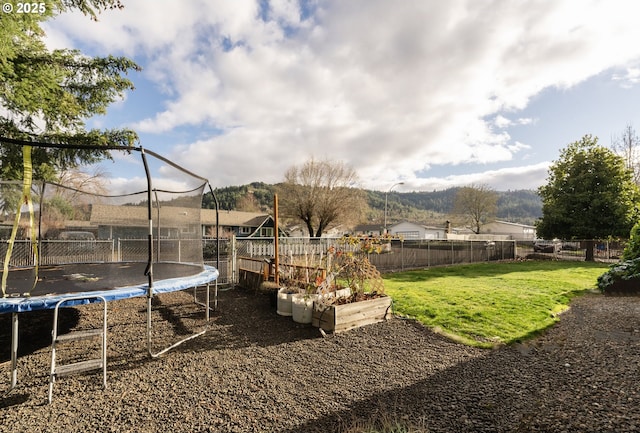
(395, 256)
(253, 252)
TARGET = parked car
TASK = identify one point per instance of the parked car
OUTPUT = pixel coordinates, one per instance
(571, 246)
(542, 246)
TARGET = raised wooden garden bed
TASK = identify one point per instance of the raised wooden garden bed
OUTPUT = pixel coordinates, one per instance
(624, 288)
(339, 318)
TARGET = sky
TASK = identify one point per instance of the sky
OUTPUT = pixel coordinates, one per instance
(430, 93)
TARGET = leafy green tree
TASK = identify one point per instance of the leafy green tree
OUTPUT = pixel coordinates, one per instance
(476, 204)
(590, 194)
(47, 95)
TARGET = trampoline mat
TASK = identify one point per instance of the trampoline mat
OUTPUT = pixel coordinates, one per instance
(89, 277)
(111, 281)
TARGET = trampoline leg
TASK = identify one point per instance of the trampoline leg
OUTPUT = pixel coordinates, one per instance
(207, 303)
(207, 306)
(14, 350)
(149, 326)
(191, 337)
(215, 296)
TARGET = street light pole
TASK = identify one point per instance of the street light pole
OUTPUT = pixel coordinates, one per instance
(385, 204)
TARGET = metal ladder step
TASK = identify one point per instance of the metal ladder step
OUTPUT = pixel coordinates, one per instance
(79, 335)
(78, 367)
(86, 365)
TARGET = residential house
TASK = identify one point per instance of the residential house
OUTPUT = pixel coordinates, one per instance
(240, 224)
(512, 231)
(132, 222)
(301, 231)
(112, 222)
(368, 230)
(409, 231)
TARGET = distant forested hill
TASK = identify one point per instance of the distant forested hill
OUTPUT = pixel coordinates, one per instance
(253, 197)
(521, 206)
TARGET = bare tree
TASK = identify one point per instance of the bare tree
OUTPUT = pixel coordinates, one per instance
(321, 194)
(93, 181)
(72, 201)
(476, 204)
(627, 145)
(248, 203)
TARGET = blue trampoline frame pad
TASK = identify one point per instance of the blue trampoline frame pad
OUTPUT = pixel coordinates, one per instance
(20, 303)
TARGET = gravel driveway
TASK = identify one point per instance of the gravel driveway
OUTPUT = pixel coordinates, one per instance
(255, 371)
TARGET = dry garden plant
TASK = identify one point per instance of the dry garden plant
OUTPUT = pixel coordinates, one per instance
(344, 266)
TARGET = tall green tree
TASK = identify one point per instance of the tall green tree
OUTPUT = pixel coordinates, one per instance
(321, 194)
(47, 95)
(590, 194)
(476, 205)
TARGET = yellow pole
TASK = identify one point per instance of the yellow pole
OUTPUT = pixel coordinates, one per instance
(27, 177)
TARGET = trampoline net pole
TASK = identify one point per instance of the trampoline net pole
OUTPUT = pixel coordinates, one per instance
(149, 270)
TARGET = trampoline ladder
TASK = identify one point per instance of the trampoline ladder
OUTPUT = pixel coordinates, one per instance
(89, 334)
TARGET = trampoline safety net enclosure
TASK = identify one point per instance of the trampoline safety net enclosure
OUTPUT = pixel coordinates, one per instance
(87, 237)
(149, 224)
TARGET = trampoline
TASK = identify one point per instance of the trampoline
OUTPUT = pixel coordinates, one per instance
(80, 243)
(112, 281)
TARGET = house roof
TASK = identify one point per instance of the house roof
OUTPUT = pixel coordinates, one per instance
(134, 216)
(233, 218)
(417, 225)
(511, 224)
(368, 228)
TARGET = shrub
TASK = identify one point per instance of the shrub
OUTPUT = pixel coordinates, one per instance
(632, 250)
(623, 277)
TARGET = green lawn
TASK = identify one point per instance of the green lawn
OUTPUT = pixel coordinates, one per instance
(485, 304)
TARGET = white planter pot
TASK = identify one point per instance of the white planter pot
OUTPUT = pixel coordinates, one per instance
(302, 307)
(284, 302)
(343, 293)
(330, 298)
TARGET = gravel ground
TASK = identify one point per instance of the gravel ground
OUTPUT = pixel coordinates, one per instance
(255, 371)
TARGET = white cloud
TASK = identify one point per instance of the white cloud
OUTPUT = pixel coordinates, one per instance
(629, 78)
(502, 122)
(392, 88)
(526, 121)
(514, 178)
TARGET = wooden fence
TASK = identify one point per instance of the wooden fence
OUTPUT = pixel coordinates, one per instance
(253, 271)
